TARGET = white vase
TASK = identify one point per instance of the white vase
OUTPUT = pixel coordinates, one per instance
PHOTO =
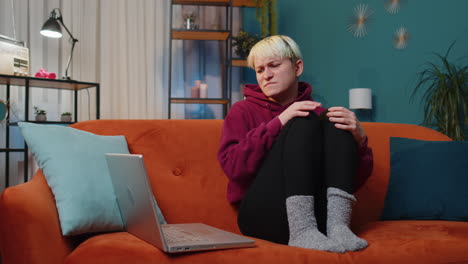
(41, 117)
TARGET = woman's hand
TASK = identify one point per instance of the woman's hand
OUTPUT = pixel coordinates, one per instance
(301, 108)
(346, 119)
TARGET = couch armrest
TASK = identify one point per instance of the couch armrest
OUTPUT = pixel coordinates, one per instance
(29, 225)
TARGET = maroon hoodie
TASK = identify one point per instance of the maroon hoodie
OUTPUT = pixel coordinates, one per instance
(249, 131)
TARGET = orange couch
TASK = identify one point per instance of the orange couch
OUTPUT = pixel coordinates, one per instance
(190, 186)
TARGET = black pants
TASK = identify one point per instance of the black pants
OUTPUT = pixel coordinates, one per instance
(309, 155)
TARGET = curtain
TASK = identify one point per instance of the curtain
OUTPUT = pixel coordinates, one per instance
(133, 62)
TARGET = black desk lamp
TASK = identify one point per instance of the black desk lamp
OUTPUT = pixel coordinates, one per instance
(52, 29)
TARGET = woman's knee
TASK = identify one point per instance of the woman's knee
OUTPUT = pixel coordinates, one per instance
(341, 135)
(309, 124)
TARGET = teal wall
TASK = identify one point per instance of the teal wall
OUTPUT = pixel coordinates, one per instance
(335, 61)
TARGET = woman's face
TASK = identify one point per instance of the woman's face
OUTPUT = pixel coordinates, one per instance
(277, 78)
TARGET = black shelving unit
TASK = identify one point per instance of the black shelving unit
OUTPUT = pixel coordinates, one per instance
(206, 35)
(222, 35)
(31, 82)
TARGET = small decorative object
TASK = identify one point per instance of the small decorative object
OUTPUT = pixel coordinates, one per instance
(195, 90)
(393, 6)
(203, 90)
(41, 115)
(43, 73)
(400, 39)
(244, 43)
(445, 87)
(266, 14)
(358, 24)
(189, 21)
(66, 117)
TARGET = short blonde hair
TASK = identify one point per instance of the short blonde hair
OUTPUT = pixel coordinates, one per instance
(278, 45)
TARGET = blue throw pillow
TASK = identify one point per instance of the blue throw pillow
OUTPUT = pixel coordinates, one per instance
(75, 168)
(428, 180)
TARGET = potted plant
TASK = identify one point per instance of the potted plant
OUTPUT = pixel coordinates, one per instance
(445, 96)
(244, 43)
(66, 117)
(41, 114)
(266, 14)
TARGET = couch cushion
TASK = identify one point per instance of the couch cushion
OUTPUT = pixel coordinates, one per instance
(74, 165)
(428, 180)
(389, 242)
(125, 248)
(372, 195)
(414, 241)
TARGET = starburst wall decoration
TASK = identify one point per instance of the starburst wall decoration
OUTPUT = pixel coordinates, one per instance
(360, 20)
(393, 6)
(400, 39)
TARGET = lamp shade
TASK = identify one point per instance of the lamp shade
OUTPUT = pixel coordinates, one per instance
(51, 28)
(360, 98)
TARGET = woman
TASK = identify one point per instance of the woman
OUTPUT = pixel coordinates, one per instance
(291, 162)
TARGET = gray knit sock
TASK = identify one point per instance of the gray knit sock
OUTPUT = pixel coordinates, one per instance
(303, 230)
(339, 210)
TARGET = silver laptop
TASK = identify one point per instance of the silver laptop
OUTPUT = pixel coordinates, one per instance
(141, 219)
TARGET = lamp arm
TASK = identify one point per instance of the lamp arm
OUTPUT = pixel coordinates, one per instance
(59, 18)
(69, 60)
(74, 40)
(68, 31)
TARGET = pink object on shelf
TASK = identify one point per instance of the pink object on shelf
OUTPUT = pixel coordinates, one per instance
(43, 73)
(52, 75)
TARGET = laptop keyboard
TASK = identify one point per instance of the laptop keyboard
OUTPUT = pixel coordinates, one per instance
(174, 234)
